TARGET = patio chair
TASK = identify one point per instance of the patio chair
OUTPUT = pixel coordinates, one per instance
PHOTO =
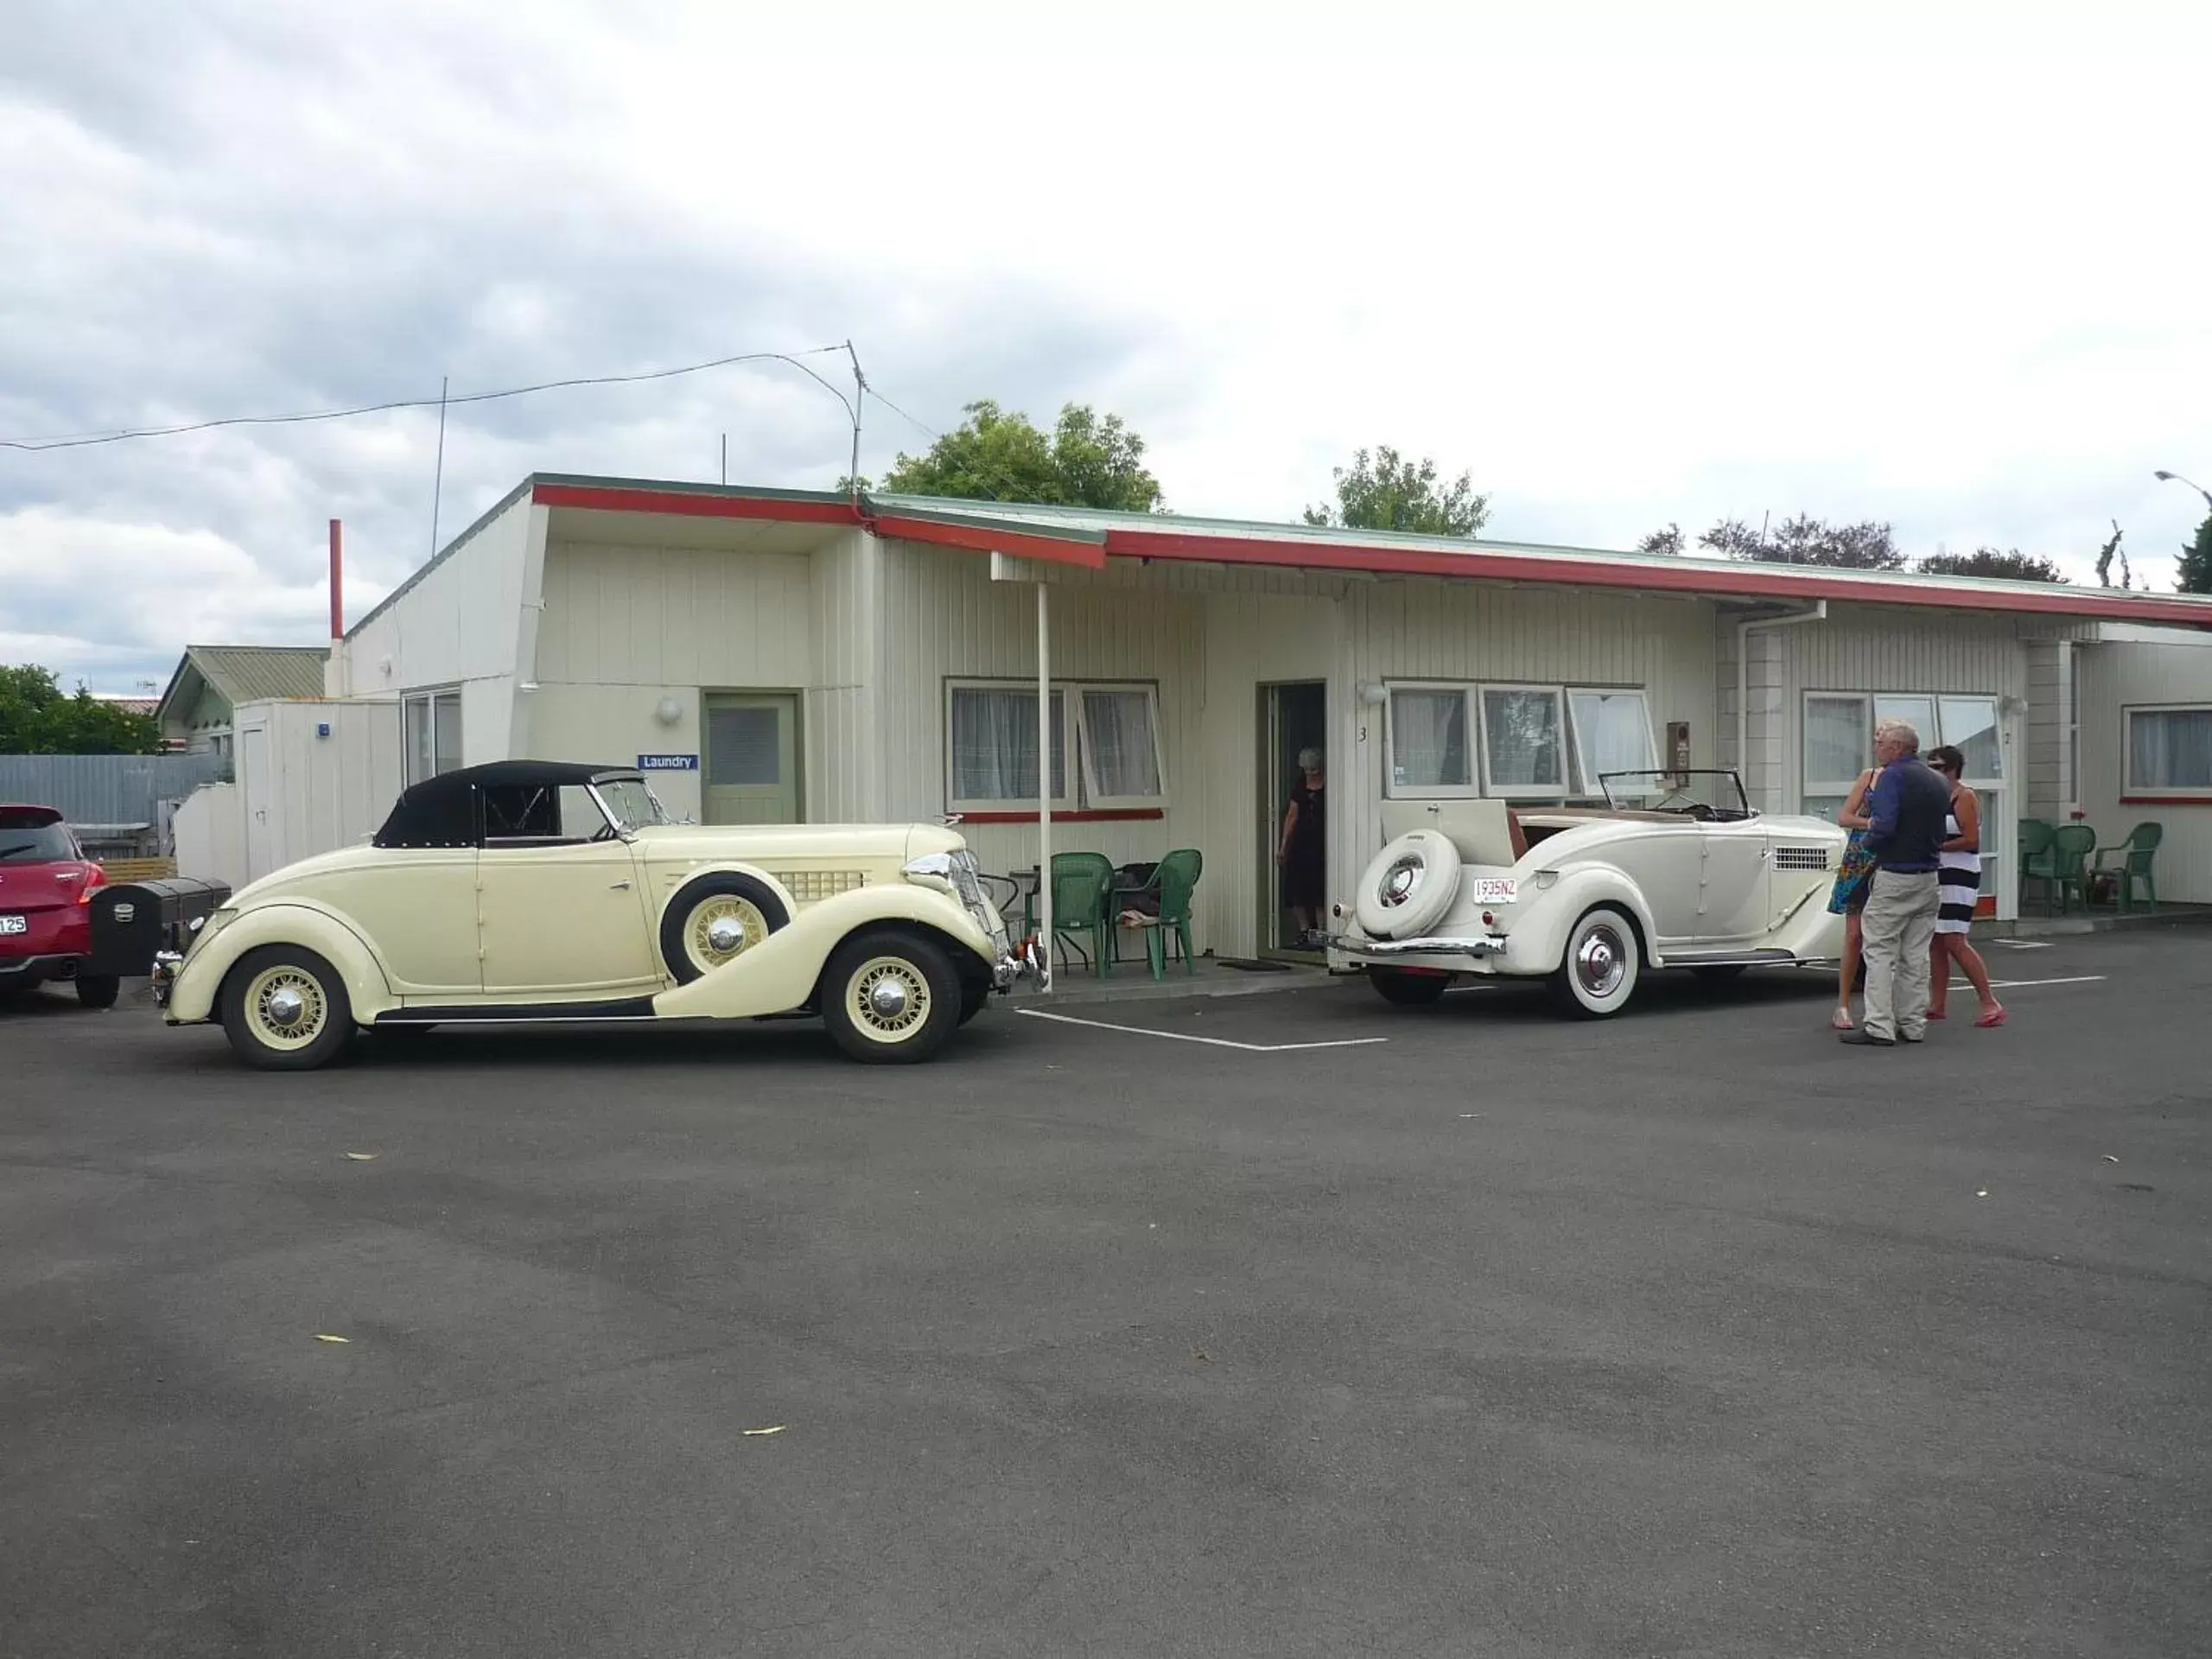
(2070, 847)
(1175, 882)
(1082, 884)
(2036, 835)
(2135, 855)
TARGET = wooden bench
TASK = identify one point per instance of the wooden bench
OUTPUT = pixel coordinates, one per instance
(120, 870)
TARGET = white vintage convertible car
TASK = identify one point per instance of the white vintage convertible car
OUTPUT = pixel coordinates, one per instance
(535, 891)
(1675, 871)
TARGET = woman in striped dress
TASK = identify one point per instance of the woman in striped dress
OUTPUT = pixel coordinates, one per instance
(1959, 879)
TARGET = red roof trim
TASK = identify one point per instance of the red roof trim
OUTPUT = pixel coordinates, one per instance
(1748, 580)
(1092, 815)
(592, 498)
(976, 538)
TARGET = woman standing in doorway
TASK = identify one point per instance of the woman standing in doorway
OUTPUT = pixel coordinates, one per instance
(1302, 852)
(1960, 883)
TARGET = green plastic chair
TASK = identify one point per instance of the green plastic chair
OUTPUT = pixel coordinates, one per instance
(2070, 847)
(2135, 855)
(1175, 881)
(1082, 897)
(2036, 837)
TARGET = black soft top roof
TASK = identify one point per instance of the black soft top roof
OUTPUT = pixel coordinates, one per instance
(442, 811)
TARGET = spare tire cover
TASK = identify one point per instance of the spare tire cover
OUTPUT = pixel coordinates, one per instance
(1409, 885)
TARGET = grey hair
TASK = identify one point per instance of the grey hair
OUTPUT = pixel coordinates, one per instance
(1903, 730)
(1309, 759)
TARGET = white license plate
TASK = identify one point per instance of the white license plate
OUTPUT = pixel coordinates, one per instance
(1495, 889)
(14, 924)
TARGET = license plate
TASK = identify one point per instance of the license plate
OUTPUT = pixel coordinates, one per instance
(1495, 889)
(14, 924)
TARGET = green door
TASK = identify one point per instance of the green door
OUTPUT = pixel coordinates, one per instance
(752, 759)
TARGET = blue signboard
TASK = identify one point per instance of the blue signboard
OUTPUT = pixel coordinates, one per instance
(668, 762)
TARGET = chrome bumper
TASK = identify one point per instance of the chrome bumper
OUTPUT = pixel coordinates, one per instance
(1028, 962)
(1478, 948)
(166, 962)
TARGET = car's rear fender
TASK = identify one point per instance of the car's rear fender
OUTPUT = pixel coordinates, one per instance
(1541, 921)
(780, 973)
(200, 982)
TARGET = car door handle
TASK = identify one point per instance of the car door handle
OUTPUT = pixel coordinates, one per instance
(619, 886)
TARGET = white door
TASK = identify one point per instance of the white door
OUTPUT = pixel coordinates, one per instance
(1733, 891)
(253, 763)
(1664, 861)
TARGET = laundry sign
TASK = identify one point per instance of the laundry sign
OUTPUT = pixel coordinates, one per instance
(668, 762)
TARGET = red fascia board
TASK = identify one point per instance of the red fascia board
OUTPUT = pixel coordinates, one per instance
(592, 498)
(1747, 581)
(2165, 800)
(976, 538)
(1102, 815)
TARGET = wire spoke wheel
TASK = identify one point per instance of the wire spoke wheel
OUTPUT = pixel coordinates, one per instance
(888, 999)
(286, 1008)
(720, 928)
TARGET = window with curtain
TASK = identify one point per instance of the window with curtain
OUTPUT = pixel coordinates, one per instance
(1430, 751)
(992, 738)
(2170, 749)
(1522, 751)
(1120, 743)
(1612, 732)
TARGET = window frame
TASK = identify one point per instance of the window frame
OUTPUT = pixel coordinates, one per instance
(1472, 789)
(1584, 773)
(1557, 692)
(968, 806)
(1093, 797)
(1810, 787)
(428, 697)
(2132, 791)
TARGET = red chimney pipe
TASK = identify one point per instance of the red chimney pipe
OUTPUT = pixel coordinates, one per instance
(337, 575)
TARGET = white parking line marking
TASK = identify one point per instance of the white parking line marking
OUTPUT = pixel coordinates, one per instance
(2022, 944)
(2008, 985)
(1212, 1042)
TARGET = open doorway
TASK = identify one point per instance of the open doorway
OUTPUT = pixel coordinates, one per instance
(1293, 848)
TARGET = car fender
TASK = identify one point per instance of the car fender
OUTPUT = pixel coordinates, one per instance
(1537, 937)
(673, 879)
(779, 973)
(200, 982)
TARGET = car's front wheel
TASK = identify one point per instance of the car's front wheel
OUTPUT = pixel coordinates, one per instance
(890, 998)
(98, 991)
(1597, 975)
(285, 1009)
(1408, 990)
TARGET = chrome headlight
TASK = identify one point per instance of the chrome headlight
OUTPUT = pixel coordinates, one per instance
(955, 873)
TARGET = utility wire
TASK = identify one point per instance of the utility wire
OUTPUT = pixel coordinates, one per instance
(78, 441)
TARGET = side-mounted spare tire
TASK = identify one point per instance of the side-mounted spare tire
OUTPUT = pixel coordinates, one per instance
(717, 918)
(1409, 886)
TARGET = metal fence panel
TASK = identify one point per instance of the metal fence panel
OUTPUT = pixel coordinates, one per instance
(107, 790)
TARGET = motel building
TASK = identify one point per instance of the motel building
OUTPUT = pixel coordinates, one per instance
(788, 657)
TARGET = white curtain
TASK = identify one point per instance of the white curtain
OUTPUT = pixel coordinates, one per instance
(1428, 740)
(995, 745)
(1839, 739)
(1614, 729)
(1521, 733)
(2169, 748)
(1124, 761)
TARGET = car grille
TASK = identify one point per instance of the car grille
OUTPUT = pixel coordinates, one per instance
(1801, 858)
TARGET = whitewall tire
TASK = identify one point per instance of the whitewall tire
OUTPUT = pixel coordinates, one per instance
(1409, 886)
(890, 998)
(1599, 974)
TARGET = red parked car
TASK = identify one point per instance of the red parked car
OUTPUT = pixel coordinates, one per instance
(46, 898)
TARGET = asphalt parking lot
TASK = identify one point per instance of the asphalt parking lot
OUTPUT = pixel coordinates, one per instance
(1344, 1330)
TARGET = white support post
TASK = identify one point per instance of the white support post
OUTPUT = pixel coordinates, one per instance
(1044, 780)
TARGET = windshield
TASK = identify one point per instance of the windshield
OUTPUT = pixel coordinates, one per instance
(1694, 794)
(633, 803)
(38, 844)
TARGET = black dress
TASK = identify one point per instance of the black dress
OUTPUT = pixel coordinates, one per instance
(1304, 861)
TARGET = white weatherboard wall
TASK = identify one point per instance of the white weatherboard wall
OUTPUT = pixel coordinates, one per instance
(461, 623)
(2135, 668)
(210, 831)
(299, 794)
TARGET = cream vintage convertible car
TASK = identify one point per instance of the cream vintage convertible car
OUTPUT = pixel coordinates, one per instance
(535, 891)
(1675, 871)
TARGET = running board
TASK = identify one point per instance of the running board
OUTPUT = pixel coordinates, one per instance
(522, 1013)
(1727, 959)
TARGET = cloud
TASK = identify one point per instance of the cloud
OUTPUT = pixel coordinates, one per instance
(1867, 262)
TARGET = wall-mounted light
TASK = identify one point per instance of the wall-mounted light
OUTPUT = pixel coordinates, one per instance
(668, 711)
(1374, 691)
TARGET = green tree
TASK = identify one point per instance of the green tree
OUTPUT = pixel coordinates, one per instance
(1668, 542)
(1085, 462)
(2105, 557)
(2194, 573)
(1807, 540)
(36, 717)
(2011, 565)
(1387, 492)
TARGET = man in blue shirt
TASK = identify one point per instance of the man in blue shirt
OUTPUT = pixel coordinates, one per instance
(1905, 810)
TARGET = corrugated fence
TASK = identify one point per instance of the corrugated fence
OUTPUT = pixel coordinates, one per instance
(105, 789)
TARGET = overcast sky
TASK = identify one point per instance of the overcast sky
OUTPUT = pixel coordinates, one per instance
(1944, 264)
